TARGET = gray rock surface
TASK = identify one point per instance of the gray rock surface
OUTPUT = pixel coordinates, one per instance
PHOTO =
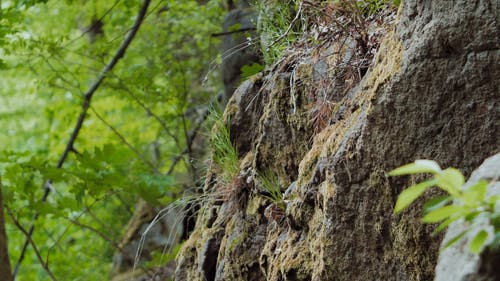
(431, 92)
(238, 48)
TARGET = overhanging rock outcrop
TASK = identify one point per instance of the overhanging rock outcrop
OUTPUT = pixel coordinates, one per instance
(432, 92)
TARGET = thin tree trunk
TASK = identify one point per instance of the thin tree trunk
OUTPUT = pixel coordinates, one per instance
(5, 270)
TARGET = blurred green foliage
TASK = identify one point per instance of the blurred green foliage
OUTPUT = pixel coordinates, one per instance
(468, 204)
(276, 27)
(50, 53)
(140, 119)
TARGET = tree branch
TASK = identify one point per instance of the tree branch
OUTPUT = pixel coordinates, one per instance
(148, 110)
(32, 243)
(122, 138)
(81, 213)
(96, 231)
(5, 270)
(87, 98)
(90, 92)
(232, 31)
(190, 139)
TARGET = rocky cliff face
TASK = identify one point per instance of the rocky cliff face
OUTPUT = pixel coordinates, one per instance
(330, 131)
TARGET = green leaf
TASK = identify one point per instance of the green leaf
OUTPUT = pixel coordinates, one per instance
(454, 239)
(411, 194)
(494, 200)
(436, 202)
(495, 220)
(478, 241)
(419, 166)
(443, 213)
(450, 180)
(475, 194)
(470, 216)
(153, 187)
(250, 70)
(3, 65)
(235, 27)
(444, 225)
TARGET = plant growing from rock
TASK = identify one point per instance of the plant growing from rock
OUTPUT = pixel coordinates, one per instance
(467, 203)
(224, 154)
(371, 7)
(272, 186)
(278, 26)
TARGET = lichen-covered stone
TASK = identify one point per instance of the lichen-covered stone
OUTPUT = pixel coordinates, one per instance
(431, 92)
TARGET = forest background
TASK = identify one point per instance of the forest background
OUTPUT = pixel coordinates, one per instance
(78, 186)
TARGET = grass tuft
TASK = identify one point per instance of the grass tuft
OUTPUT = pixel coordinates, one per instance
(224, 154)
(272, 186)
(277, 28)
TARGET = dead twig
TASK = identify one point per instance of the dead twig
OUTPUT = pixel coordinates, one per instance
(5, 269)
